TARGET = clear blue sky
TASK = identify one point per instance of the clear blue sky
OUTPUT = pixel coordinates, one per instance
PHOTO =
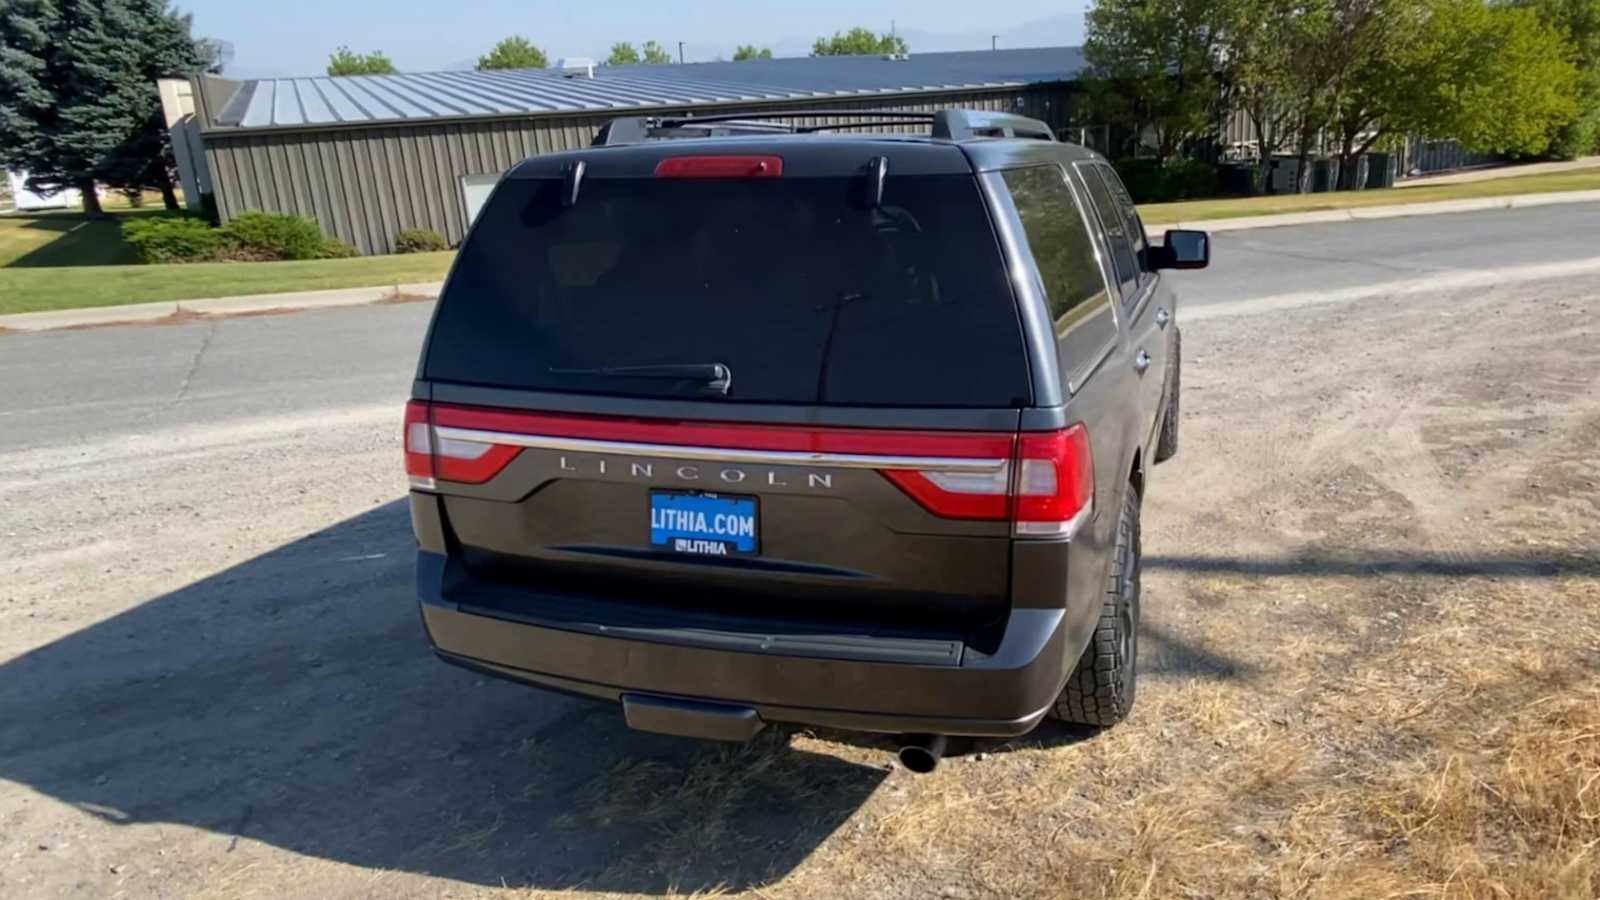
(294, 37)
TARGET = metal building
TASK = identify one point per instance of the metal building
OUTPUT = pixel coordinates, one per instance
(367, 156)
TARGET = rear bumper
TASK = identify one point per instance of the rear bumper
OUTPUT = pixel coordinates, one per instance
(1001, 694)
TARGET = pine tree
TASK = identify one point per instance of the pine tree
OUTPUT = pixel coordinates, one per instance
(78, 99)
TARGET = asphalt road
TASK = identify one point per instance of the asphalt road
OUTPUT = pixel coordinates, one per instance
(69, 387)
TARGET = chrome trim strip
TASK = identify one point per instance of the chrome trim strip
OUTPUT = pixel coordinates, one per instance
(723, 454)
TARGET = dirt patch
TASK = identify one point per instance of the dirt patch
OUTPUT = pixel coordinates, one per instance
(404, 297)
(1371, 664)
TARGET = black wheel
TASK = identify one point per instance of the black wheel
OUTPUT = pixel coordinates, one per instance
(1100, 691)
(1167, 444)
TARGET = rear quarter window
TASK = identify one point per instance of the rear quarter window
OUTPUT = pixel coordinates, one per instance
(809, 295)
(1063, 249)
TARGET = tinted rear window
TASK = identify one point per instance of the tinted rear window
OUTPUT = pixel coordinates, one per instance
(805, 292)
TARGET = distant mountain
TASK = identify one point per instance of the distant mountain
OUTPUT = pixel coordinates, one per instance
(1065, 30)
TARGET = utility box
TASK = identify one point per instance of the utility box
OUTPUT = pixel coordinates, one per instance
(1324, 174)
(1380, 170)
(1284, 175)
(1362, 165)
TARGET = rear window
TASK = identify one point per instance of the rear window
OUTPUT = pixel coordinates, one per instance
(806, 293)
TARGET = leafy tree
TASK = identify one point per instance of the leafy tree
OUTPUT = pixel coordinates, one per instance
(750, 51)
(515, 52)
(622, 54)
(654, 53)
(78, 100)
(1579, 20)
(1154, 69)
(1515, 81)
(859, 42)
(345, 61)
(1258, 78)
(1493, 77)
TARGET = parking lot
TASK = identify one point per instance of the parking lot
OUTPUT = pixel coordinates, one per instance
(1372, 635)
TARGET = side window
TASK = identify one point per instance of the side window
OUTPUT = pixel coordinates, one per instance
(1061, 245)
(1130, 215)
(1123, 256)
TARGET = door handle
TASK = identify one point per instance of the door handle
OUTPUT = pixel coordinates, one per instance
(1163, 317)
(1141, 361)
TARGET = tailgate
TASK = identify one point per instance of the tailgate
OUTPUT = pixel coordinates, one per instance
(763, 523)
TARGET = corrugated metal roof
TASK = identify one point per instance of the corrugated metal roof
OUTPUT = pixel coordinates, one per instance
(293, 102)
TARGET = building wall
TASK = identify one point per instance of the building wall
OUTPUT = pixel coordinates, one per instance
(365, 184)
(178, 112)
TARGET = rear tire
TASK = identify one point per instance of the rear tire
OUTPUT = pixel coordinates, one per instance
(1101, 690)
(1167, 444)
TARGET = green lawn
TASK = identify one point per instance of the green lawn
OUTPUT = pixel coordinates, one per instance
(1200, 210)
(64, 261)
(72, 287)
(63, 239)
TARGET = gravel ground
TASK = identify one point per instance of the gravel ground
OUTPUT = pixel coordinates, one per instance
(213, 681)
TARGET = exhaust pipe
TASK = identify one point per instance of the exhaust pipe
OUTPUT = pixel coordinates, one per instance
(920, 753)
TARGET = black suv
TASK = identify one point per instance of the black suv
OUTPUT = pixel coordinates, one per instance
(737, 421)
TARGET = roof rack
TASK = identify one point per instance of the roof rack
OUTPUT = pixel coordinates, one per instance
(946, 124)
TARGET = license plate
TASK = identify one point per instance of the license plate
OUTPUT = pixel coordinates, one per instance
(703, 524)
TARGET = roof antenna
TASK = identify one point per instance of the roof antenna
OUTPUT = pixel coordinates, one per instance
(877, 173)
(573, 181)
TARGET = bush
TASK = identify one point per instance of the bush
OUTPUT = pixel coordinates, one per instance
(1188, 179)
(166, 239)
(1180, 179)
(419, 240)
(264, 236)
(1579, 138)
(1143, 179)
(337, 249)
(252, 237)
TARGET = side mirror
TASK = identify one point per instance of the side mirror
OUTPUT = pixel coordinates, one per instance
(1183, 250)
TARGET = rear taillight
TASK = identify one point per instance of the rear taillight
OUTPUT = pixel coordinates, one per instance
(419, 445)
(1045, 488)
(1055, 483)
(431, 457)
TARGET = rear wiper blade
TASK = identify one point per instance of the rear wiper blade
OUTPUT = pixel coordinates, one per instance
(717, 377)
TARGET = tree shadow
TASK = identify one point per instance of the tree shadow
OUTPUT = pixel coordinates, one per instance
(79, 240)
(291, 699)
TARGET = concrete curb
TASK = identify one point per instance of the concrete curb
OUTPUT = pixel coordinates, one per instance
(1395, 211)
(215, 306)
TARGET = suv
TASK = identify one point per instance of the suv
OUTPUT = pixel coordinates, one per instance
(735, 422)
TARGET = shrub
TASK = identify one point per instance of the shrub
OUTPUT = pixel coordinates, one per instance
(419, 240)
(336, 249)
(1180, 179)
(164, 239)
(1143, 179)
(264, 236)
(1188, 179)
(1579, 138)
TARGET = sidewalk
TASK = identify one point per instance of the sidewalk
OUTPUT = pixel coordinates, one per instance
(1491, 173)
(260, 303)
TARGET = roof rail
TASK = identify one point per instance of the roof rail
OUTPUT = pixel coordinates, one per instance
(948, 124)
(966, 124)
